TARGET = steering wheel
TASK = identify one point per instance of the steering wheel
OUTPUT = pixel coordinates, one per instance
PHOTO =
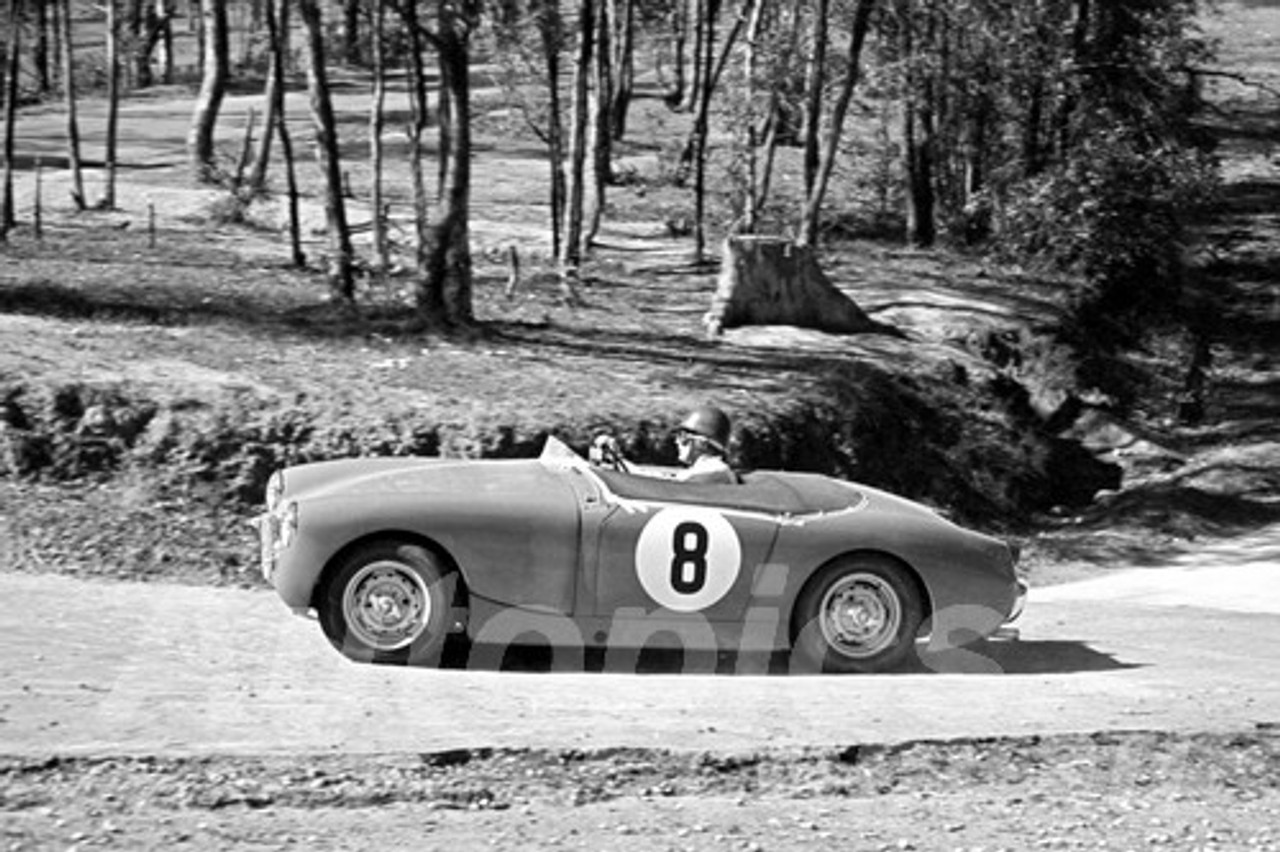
(605, 452)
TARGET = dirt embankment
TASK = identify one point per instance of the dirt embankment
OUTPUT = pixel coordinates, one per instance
(1124, 791)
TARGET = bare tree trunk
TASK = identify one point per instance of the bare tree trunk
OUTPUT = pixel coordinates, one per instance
(814, 85)
(920, 196)
(273, 90)
(750, 68)
(920, 142)
(69, 98)
(622, 14)
(9, 216)
(139, 58)
(200, 140)
(149, 21)
(808, 231)
(571, 258)
(375, 139)
(40, 52)
(55, 39)
(295, 220)
(108, 201)
(277, 16)
(340, 273)
(601, 132)
(165, 12)
(763, 173)
(704, 83)
(702, 18)
(679, 35)
(448, 282)
(351, 32)
(418, 109)
(551, 31)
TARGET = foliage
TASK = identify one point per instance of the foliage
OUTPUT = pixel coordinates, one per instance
(1116, 213)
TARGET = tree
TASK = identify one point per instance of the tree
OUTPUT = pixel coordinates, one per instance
(108, 201)
(277, 21)
(350, 49)
(340, 272)
(448, 282)
(418, 106)
(572, 248)
(40, 52)
(149, 28)
(622, 20)
(69, 98)
(816, 184)
(213, 87)
(815, 78)
(375, 136)
(706, 80)
(276, 125)
(8, 216)
(551, 38)
(531, 40)
(443, 294)
(600, 122)
(771, 45)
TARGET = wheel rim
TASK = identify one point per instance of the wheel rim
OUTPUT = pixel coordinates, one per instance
(386, 605)
(861, 615)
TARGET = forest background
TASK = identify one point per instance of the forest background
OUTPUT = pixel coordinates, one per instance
(509, 235)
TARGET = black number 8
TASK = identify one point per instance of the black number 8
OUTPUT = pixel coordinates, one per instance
(689, 564)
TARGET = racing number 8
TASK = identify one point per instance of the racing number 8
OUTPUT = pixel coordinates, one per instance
(687, 558)
(689, 562)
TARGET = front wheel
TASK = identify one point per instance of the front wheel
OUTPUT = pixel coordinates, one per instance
(859, 614)
(389, 602)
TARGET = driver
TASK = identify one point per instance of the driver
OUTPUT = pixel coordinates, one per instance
(702, 441)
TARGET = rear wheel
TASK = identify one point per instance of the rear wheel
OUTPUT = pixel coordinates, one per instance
(859, 614)
(389, 602)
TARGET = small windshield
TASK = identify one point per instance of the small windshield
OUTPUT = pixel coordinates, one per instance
(557, 451)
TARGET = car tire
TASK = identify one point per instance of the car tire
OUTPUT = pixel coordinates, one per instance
(389, 602)
(860, 614)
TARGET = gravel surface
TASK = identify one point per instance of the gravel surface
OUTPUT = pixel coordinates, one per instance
(1102, 791)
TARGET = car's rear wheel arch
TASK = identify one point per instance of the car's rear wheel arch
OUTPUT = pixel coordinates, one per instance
(861, 562)
(906, 567)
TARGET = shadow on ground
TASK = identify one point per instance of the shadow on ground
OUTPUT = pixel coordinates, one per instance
(989, 657)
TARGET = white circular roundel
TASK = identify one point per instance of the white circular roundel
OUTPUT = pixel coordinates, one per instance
(687, 558)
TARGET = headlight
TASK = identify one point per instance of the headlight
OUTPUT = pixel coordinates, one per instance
(275, 490)
(289, 524)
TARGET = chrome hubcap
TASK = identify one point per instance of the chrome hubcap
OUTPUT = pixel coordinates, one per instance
(386, 605)
(861, 615)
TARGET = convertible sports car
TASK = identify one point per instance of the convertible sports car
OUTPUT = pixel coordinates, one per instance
(393, 555)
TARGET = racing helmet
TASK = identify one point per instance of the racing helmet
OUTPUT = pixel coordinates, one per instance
(711, 423)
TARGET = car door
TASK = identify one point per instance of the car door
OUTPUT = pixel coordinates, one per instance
(677, 558)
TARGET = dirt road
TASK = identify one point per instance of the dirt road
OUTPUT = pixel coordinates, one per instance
(171, 717)
(119, 668)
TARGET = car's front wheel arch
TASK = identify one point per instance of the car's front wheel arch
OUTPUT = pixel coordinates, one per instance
(414, 565)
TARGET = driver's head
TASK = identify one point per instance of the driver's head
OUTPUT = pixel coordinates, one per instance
(704, 432)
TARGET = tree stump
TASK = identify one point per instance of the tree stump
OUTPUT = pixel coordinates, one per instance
(773, 281)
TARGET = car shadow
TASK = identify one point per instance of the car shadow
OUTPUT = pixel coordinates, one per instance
(990, 657)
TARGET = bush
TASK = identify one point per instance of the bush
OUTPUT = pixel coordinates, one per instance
(1119, 213)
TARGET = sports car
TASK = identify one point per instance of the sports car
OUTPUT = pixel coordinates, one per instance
(394, 556)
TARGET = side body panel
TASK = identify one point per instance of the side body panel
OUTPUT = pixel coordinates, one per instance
(511, 526)
(969, 578)
(692, 560)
